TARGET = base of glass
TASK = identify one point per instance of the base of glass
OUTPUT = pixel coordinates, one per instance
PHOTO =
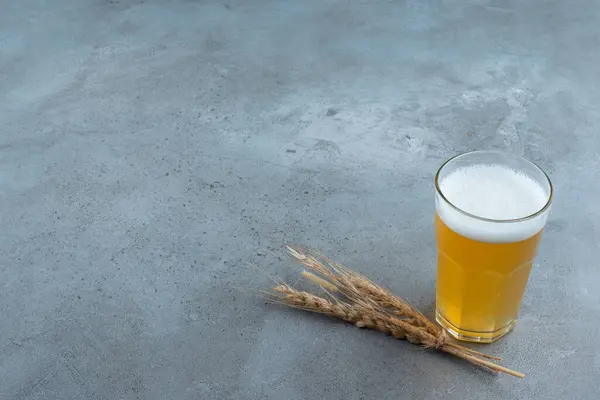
(473, 336)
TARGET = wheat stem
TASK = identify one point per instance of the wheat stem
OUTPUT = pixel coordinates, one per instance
(478, 361)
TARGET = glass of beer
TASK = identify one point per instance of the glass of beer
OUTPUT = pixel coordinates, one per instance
(491, 208)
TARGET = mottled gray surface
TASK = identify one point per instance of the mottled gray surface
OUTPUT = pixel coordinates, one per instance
(151, 150)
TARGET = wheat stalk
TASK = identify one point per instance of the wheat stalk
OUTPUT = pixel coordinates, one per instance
(357, 287)
(368, 305)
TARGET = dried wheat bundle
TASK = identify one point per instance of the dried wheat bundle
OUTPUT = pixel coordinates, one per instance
(352, 297)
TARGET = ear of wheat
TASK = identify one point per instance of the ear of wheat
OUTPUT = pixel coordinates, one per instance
(352, 297)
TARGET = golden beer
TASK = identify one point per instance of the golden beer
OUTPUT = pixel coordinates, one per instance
(491, 208)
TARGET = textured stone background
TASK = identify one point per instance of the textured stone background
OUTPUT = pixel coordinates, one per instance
(151, 150)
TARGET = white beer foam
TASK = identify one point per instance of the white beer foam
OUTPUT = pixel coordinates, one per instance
(494, 192)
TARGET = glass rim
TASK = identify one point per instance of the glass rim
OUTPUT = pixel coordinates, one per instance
(525, 218)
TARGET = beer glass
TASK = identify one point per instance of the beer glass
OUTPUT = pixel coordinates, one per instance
(491, 208)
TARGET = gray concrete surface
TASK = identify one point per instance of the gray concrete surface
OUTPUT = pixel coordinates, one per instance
(151, 150)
